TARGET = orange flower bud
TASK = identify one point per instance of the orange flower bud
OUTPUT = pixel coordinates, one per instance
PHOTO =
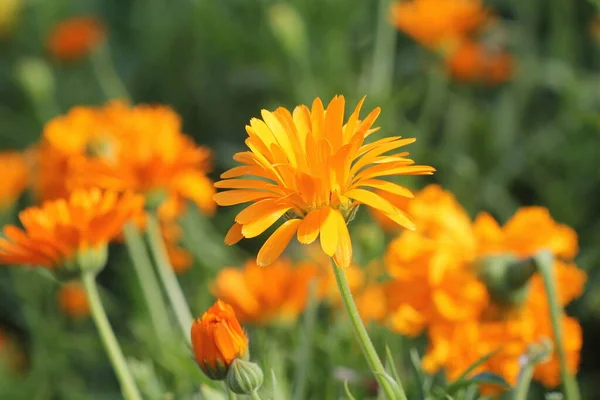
(218, 339)
(73, 300)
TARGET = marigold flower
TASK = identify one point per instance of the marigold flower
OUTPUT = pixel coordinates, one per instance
(14, 172)
(315, 170)
(58, 233)
(283, 299)
(435, 23)
(75, 37)
(217, 340)
(118, 147)
(73, 300)
(473, 62)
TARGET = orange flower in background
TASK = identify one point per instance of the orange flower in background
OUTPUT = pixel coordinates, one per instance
(435, 23)
(314, 169)
(181, 259)
(118, 147)
(59, 231)
(254, 301)
(14, 172)
(217, 340)
(472, 62)
(436, 287)
(73, 300)
(75, 37)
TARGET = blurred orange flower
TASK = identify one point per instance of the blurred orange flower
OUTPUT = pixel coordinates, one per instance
(217, 340)
(472, 62)
(61, 231)
(254, 301)
(73, 300)
(313, 169)
(75, 37)
(435, 287)
(436, 23)
(119, 147)
(14, 172)
(181, 259)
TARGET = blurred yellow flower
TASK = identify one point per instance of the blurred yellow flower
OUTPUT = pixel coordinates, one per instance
(217, 340)
(255, 301)
(73, 300)
(14, 172)
(313, 169)
(59, 232)
(75, 37)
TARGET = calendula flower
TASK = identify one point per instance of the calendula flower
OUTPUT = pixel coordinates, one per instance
(65, 233)
(473, 62)
(75, 37)
(73, 300)
(14, 172)
(436, 23)
(313, 169)
(437, 286)
(118, 147)
(282, 300)
(217, 340)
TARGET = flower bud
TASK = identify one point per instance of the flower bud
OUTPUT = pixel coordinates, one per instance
(218, 340)
(244, 377)
(506, 278)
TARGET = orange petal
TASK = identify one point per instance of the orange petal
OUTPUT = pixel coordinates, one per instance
(372, 200)
(278, 241)
(343, 253)
(309, 228)
(234, 234)
(257, 227)
(388, 187)
(328, 232)
(402, 219)
(233, 197)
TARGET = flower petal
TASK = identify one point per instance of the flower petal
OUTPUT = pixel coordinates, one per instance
(310, 226)
(234, 234)
(343, 253)
(328, 231)
(233, 197)
(276, 244)
(372, 200)
(260, 225)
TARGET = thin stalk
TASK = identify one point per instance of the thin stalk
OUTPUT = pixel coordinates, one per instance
(254, 396)
(128, 386)
(167, 276)
(382, 64)
(522, 388)
(230, 394)
(151, 290)
(363, 337)
(108, 77)
(304, 350)
(545, 261)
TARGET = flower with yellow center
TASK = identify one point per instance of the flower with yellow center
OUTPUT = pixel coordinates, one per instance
(64, 233)
(13, 169)
(217, 340)
(313, 169)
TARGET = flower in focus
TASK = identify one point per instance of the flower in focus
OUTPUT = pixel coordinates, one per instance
(75, 37)
(14, 172)
(437, 23)
(118, 147)
(313, 169)
(282, 300)
(64, 233)
(73, 300)
(473, 62)
(217, 340)
(436, 287)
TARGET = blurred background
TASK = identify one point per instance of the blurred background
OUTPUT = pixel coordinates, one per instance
(527, 132)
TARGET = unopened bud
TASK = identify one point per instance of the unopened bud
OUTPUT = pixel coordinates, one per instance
(244, 377)
(506, 278)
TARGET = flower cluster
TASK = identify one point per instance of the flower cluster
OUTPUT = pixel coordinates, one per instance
(438, 286)
(451, 27)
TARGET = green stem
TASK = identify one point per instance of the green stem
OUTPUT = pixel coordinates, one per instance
(230, 394)
(167, 276)
(382, 64)
(363, 337)
(151, 290)
(522, 389)
(304, 350)
(254, 396)
(128, 386)
(107, 75)
(545, 261)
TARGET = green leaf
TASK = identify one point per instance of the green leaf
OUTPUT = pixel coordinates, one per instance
(418, 371)
(484, 377)
(476, 364)
(390, 366)
(350, 396)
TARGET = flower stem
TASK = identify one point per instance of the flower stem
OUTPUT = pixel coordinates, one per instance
(254, 396)
(128, 386)
(167, 276)
(382, 64)
(142, 264)
(545, 261)
(363, 337)
(304, 350)
(108, 78)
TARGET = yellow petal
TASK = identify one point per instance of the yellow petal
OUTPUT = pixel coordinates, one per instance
(402, 219)
(343, 253)
(257, 227)
(372, 200)
(277, 243)
(388, 187)
(233, 197)
(328, 232)
(234, 234)
(310, 226)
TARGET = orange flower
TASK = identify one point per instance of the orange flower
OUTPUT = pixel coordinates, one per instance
(61, 233)
(315, 170)
(75, 37)
(13, 170)
(217, 340)
(119, 147)
(472, 62)
(283, 299)
(436, 23)
(73, 300)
